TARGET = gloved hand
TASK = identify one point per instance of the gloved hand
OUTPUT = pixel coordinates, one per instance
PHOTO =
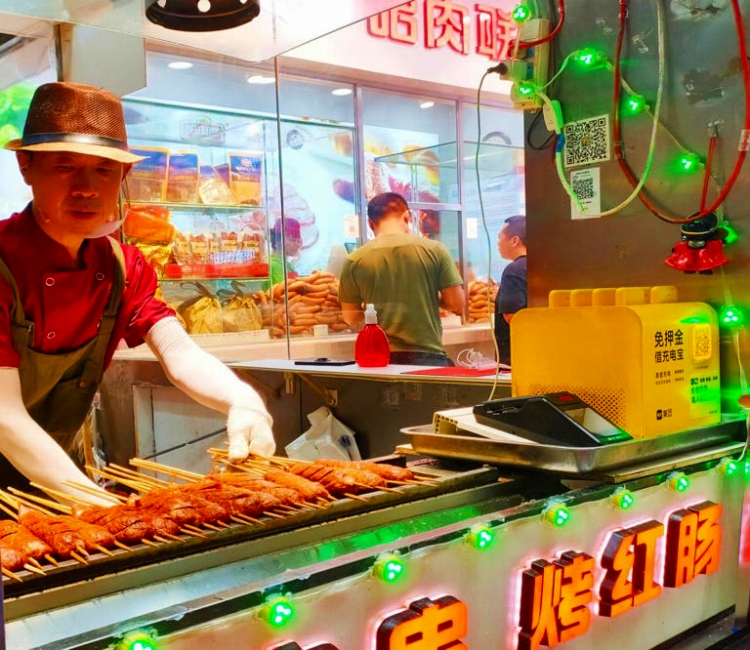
(209, 382)
(249, 431)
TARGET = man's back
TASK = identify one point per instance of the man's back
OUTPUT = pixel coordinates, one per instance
(402, 275)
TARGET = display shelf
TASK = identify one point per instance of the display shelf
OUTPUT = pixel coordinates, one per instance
(201, 206)
(493, 158)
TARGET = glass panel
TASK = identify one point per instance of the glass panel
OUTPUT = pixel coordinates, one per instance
(317, 159)
(280, 26)
(401, 135)
(206, 129)
(500, 162)
(24, 65)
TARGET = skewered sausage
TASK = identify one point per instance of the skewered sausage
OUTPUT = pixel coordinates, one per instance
(15, 536)
(310, 490)
(388, 472)
(55, 531)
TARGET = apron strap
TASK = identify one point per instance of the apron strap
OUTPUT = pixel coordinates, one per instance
(23, 329)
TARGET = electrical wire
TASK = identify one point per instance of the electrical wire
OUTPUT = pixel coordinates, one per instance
(746, 128)
(486, 230)
(552, 34)
(707, 175)
(617, 144)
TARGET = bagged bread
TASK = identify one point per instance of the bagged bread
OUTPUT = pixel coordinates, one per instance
(239, 311)
(202, 314)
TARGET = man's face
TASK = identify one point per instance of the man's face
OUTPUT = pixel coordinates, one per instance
(73, 193)
(506, 245)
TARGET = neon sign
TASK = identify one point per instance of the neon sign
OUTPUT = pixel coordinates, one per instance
(447, 23)
(555, 596)
(425, 625)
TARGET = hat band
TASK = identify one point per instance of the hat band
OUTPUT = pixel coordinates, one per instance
(74, 138)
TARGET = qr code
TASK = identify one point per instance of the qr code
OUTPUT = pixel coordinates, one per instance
(587, 141)
(701, 342)
(583, 186)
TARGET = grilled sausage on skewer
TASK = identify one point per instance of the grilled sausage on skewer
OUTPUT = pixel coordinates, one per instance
(388, 472)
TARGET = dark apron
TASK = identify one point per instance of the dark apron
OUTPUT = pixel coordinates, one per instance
(58, 389)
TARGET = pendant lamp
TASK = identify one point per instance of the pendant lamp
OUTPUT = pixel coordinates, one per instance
(202, 15)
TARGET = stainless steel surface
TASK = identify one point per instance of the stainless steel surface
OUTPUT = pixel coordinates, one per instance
(596, 462)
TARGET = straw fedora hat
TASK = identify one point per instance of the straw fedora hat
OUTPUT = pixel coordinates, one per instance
(74, 117)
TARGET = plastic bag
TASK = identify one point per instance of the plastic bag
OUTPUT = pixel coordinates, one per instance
(240, 313)
(202, 314)
(327, 437)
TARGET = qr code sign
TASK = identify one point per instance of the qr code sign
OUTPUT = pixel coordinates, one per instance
(583, 186)
(587, 141)
(701, 342)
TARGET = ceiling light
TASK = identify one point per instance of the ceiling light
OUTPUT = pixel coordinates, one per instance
(426, 104)
(341, 92)
(180, 65)
(261, 79)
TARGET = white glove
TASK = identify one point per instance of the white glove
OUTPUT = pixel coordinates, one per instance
(249, 431)
(209, 382)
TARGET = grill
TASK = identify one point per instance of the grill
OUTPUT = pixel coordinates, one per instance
(234, 533)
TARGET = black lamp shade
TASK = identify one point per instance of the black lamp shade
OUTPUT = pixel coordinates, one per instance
(202, 15)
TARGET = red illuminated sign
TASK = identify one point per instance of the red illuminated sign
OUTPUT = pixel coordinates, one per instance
(296, 646)
(425, 625)
(555, 596)
(447, 23)
(554, 600)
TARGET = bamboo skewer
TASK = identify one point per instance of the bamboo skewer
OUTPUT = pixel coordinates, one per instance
(97, 492)
(164, 469)
(11, 575)
(32, 499)
(33, 569)
(126, 471)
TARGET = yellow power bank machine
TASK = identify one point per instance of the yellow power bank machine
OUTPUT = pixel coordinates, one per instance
(645, 361)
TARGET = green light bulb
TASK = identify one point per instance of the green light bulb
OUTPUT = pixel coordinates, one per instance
(521, 13)
(557, 515)
(278, 611)
(731, 234)
(389, 568)
(689, 162)
(731, 316)
(635, 104)
(136, 640)
(480, 537)
(526, 89)
(590, 57)
(626, 500)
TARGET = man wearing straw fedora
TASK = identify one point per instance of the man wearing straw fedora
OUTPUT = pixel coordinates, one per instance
(69, 294)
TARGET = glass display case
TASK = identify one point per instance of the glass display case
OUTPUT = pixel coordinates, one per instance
(208, 209)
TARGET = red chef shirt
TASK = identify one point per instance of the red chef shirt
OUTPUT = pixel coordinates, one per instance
(66, 304)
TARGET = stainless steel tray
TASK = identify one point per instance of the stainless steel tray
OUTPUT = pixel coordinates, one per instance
(576, 461)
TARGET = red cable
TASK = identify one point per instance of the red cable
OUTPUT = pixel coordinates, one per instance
(740, 156)
(707, 175)
(553, 33)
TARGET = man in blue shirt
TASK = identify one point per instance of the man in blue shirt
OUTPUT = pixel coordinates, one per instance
(512, 295)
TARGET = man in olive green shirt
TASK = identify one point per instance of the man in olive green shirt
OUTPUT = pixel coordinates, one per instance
(407, 278)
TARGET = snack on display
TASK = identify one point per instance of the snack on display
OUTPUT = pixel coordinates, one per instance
(183, 177)
(213, 189)
(239, 311)
(245, 178)
(147, 180)
(480, 307)
(313, 300)
(148, 228)
(202, 314)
